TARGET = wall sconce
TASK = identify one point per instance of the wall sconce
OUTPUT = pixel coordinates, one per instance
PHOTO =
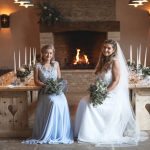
(137, 3)
(4, 21)
(133, 3)
(140, 1)
(25, 3)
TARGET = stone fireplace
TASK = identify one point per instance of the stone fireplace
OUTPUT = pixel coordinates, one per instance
(88, 24)
(67, 39)
(78, 44)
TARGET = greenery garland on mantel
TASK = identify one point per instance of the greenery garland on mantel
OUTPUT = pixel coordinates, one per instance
(48, 15)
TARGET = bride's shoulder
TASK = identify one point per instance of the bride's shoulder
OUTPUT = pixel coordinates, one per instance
(116, 64)
(115, 59)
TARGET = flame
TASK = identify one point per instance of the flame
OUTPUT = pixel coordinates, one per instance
(81, 59)
(86, 59)
(77, 57)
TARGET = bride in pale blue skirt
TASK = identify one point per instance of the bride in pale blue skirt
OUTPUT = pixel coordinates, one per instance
(52, 120)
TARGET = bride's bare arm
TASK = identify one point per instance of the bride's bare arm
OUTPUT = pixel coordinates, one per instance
(115, 75)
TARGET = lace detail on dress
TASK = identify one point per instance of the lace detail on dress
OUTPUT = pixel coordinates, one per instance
(44, 73)
(105, 76)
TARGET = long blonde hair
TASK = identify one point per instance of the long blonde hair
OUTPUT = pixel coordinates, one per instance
(105, 62)
(44, 49)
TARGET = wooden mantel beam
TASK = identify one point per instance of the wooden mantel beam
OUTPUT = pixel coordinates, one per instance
(98, 26)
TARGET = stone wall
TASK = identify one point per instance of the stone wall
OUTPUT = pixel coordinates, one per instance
(60, 43)
(86, 10)
(78, 84)
(81, 15)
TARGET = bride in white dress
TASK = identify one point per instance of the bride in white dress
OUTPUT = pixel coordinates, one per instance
(112, 122)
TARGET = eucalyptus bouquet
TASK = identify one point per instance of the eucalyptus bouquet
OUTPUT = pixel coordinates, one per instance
(131, 65)
(146, 71)
(98, 92)
(55, 86)
(23, 72)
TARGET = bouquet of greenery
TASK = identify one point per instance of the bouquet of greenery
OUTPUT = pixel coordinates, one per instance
(98, 92)
(23, 72)
(132, 65)
(54, 86)
(146, 71)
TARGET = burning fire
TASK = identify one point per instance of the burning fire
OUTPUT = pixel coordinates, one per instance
(81, 59)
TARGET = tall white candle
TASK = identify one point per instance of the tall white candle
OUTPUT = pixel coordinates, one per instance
(145, 57)
(137, 59)
(25, 55)
(19, 59)
(14, 62)
(35, 56)
(130, 54)
(30, 58)
(140, 54)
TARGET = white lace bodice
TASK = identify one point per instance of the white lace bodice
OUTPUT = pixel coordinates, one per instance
(106, 76)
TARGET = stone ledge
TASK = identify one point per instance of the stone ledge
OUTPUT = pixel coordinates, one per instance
(98, 26)
(77, 70)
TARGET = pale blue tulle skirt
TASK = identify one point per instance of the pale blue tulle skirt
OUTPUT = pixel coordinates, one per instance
(52, 121)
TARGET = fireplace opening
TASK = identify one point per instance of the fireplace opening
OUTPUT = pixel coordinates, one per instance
(78, 49)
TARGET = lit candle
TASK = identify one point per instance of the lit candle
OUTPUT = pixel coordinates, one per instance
(137, 59)
(130, 54)
(145, 57)
(19, 59)
(30, 58)
(14, 62)
(25, 55)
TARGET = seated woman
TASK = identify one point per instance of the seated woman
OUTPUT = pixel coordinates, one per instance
(52, 120)
(112, 122)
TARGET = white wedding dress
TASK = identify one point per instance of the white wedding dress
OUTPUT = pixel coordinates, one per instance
(112, 122)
